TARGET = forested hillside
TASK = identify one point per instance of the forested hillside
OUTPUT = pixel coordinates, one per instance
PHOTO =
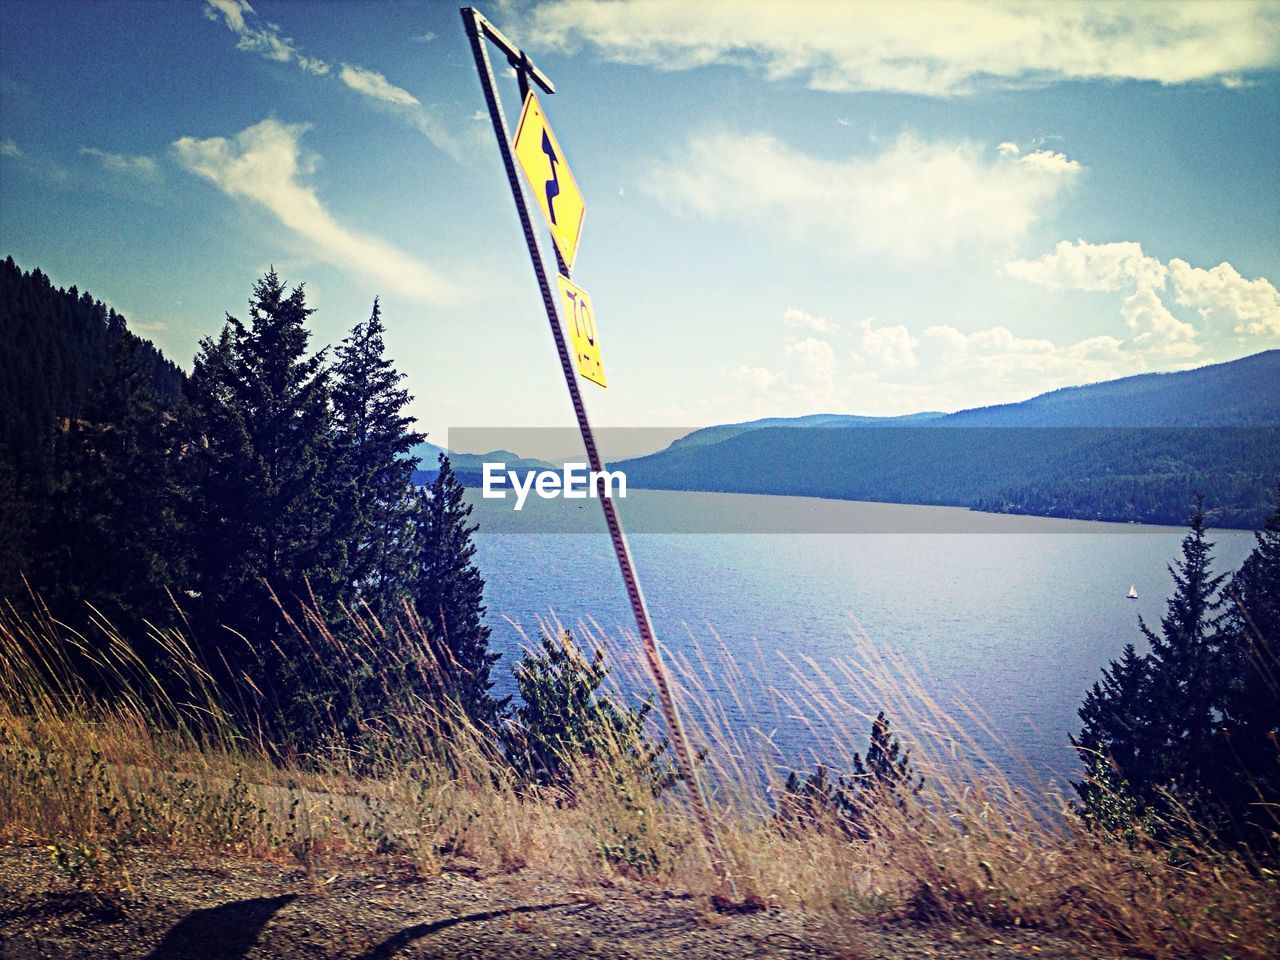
(1239, 393)
(1147, 475)
(1136, 449)
(62, 353)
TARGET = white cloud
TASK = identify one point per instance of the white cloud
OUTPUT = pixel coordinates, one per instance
(888, 348)
(805, 383)
(996, 366)
(1047, 161)
(1091, 266)
(794, 317)
(1227, 300)
(813, 363)
(424, 37)
(923, 47)
(1116, 267)
(757, 378)
(232, 12)
(912, 200)
(1008, 149)
(264, 164)
(138, 166)
(892, 369)
(9, 149)
(373, 84)
(896, 371)
(1157, 332)
(264, 40)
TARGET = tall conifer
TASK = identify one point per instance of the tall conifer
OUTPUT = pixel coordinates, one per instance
(260, 446)
(1249, 744)
(375, 436)
(448, 593)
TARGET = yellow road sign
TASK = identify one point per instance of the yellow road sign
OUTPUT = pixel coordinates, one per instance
(581, 318)
(549, 177)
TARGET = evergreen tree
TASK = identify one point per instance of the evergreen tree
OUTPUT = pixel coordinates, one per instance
(448, 593)
(375, 437)
(1184, 672)
(15, 524)
(119, 545)
(260, 438)
(1249, 746)
(820, 802)
(887, 768)
(1190, 726)
(55, 345)
(565, 717)
(1118, 728)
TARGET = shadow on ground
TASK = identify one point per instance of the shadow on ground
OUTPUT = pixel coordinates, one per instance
(229, 931)
(224, 932)
(389, 947)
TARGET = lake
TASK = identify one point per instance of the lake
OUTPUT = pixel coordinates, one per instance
(1017, 615)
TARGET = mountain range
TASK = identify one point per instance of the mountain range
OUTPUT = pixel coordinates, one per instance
(469, 467)
(1134, 449)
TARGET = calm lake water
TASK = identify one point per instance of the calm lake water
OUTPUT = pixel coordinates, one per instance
(1017, 614)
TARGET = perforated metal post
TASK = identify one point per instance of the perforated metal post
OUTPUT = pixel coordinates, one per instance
(478, 29)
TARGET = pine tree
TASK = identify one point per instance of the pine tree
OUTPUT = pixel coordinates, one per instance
(448, 593)
(1118, 731)
(1249, 747)
(842, 803)
(55, 345)
(887, 768)
(821, 802)
(565, 717)
(1184, 668)
(260, 437)
(1150, 734)
(121, 544)
(16, 514)
(375, 437)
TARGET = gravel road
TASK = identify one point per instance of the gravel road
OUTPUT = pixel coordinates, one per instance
(206, 909)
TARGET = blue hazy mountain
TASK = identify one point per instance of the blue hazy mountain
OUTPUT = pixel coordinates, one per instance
(1138, 448)
(1240, 393)
(709, 435)
(469, 466)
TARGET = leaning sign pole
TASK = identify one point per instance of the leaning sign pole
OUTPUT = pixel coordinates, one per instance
(565, 236)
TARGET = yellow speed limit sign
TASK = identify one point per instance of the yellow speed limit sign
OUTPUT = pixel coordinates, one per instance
(553, 186)
(581, 318)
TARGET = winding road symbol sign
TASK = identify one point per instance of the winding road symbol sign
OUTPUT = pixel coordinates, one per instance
(550, 179)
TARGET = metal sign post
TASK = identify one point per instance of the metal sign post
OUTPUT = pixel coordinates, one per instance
(478, 30)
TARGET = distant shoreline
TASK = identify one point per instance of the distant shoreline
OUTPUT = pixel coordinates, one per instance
(828, 515)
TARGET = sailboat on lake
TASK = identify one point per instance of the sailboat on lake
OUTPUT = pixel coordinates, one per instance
(1133, 592)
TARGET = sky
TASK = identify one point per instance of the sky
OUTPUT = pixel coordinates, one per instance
(791, 208)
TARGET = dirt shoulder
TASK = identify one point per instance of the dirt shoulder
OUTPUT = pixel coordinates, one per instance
(187, 909)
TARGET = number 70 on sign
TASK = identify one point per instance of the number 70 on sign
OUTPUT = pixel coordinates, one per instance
(579, 315)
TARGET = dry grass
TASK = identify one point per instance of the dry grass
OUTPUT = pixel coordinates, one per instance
(166, 769)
